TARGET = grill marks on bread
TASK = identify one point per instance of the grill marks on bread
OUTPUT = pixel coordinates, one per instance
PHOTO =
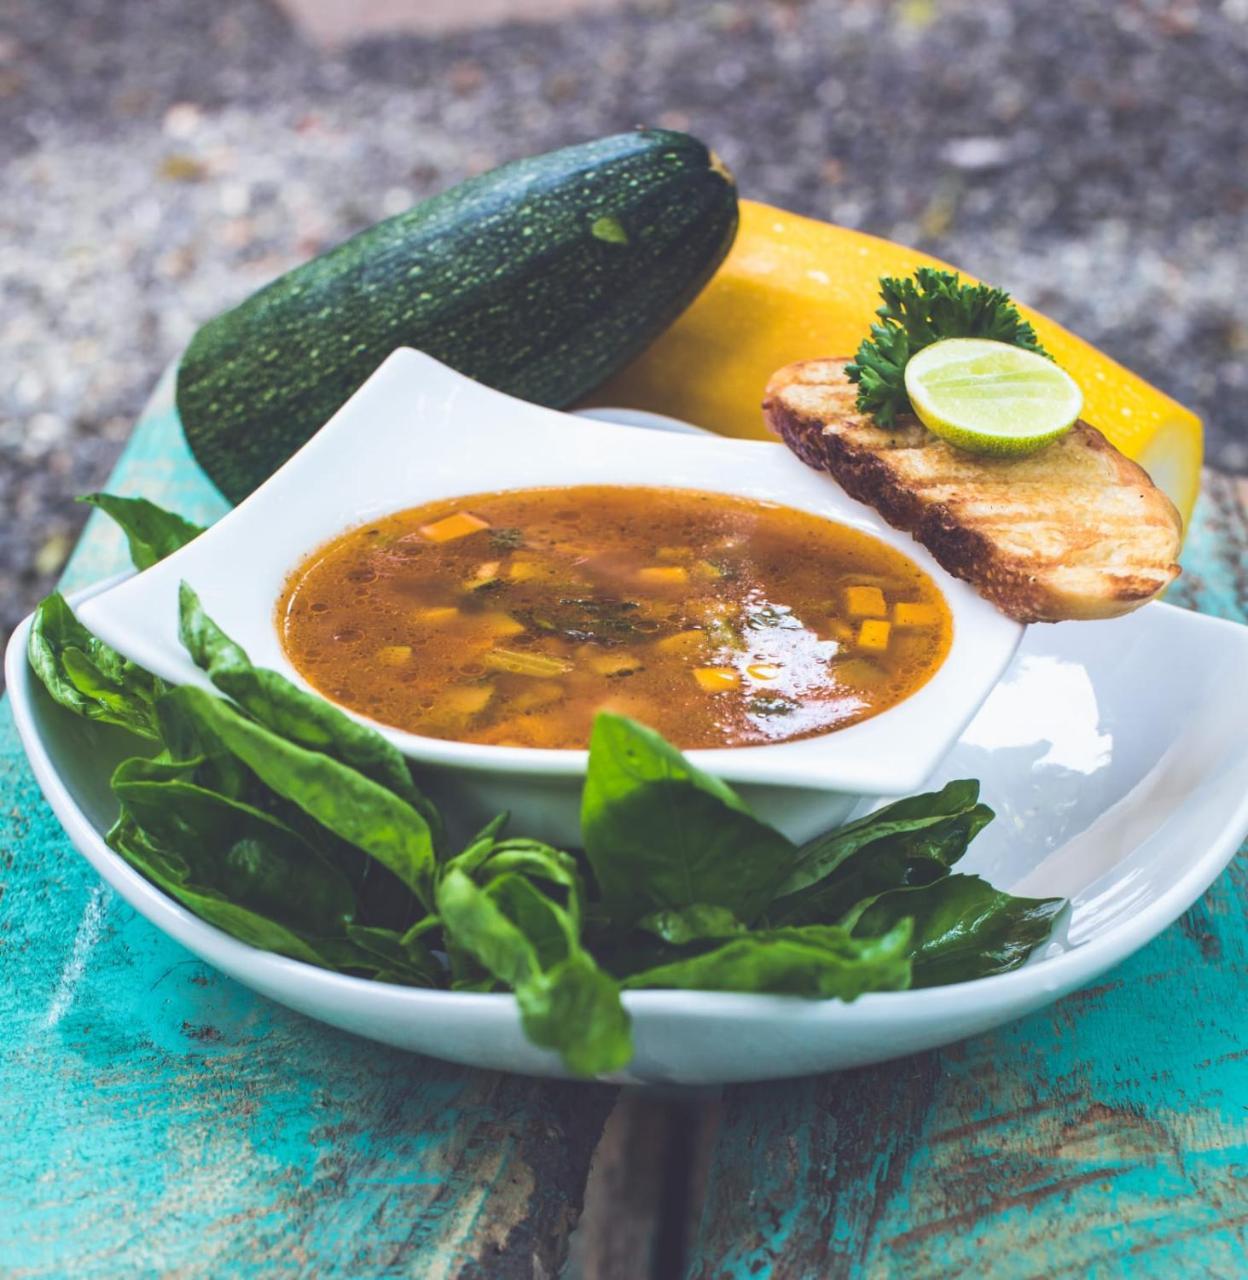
(1075, 530)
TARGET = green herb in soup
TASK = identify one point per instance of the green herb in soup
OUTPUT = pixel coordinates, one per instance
(513, 618)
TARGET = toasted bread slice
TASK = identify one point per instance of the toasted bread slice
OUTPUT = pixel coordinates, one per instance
(1076, 530)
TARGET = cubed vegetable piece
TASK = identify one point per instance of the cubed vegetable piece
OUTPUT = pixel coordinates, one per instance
(915, 615)
(873, 635)
(464, 699)
(437, 614)
(865, 602)
(683, 643)
(485, 573)
(763, 671)
(394, 655)
(524, 570)
(526, 664)
(459, 525)
(707, 572)
(716, 679)
(540, 693)
(664, 574)
(610, 663)
(498, 623)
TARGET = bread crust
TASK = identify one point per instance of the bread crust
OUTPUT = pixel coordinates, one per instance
(1074, 531)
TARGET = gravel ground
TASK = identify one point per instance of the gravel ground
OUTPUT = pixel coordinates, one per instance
(162, 158)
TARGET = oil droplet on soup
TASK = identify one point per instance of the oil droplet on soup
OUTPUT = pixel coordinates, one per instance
(512, 618)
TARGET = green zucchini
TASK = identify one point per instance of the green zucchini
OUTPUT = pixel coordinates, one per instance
(539, 278)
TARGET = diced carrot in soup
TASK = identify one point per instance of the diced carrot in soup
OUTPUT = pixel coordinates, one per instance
(459, 525)
(716, 679)
(703, 615)
(437, 614)
(865, 602)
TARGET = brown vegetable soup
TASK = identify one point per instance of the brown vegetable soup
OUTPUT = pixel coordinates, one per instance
(512, 618)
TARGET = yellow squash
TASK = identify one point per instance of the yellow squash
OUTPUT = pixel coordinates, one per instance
(793, 289)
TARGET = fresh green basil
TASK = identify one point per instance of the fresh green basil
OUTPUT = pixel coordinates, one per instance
(353, 806)
(248, 855)
(662, 835)
(282, 821)
(821, 856)
(169, 873)
(152, 532)
(814, 960)
(691, 924)
(83, 674)
(963, 927)
(288, 711)
(884, 850)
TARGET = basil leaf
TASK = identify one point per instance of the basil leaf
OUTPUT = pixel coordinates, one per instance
(152, 532)
(352, 806)
(243, 852)
(288, 711)
(815, 961)
(168, 875)
(916, 856)
(536, 860)
(963, 927)
(574, 1008)
(691, 924)
(821, 856)
(476, 922)
(83, 674)
(550, 930)
(660, 834)
(529, 942)
(407, 959)
(186, 737)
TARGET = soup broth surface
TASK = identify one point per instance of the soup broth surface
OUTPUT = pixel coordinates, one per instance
(512, 618)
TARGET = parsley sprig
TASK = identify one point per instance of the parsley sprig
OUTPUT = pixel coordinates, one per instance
(917, 312)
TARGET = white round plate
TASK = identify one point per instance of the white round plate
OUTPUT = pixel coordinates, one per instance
(1113, 752)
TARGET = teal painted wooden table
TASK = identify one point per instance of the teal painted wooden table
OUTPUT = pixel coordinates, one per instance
(158, 1119)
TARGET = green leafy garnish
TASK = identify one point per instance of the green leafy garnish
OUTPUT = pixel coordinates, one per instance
(83, 674)
(963, 927)
(151, 532)
(661, 834)
(506, 538)
(917, 312)
(816, 961)
(288, 711)
(278, 819)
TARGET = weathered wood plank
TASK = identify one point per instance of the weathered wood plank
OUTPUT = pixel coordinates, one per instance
(159, 1119)
(1105, 1136)
(647, 1173)
(1215, 559)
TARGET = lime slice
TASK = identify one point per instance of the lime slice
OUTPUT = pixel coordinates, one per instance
(990, 397)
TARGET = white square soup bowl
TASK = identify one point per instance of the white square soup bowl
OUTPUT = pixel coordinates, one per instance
(417, 431)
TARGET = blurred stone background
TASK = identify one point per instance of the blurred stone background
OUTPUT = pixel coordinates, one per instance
(163, 158)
